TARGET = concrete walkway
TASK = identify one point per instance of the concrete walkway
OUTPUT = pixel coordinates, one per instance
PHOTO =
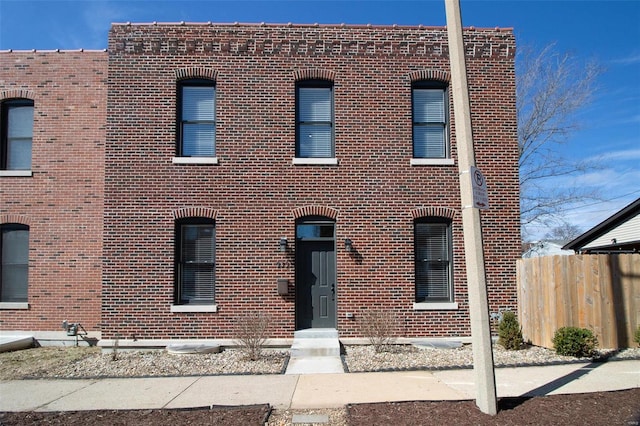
(311, 390)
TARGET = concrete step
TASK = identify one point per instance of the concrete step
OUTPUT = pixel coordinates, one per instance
(315, 351)
(317, 333)
(315, 342)
(315, 347)
(315, 365)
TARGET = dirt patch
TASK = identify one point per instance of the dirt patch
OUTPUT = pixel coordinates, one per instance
(598, 408)
(36, 362)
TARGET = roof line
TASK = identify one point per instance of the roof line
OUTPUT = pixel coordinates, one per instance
(292, 25)
(52, 50)
(603, 226)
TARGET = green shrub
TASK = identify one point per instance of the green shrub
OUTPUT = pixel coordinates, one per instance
(574, 341)
(510, 332)
(636, 338)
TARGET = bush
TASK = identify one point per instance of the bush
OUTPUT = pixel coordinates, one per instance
(250, 333)
(379, 327)
(510, 332)
(574, 341)
(636, 338)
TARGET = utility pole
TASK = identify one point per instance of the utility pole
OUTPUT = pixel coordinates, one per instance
(485, 379)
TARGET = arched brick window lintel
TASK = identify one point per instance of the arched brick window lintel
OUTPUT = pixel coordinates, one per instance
(430, 74)
(315, 210)
(314, 74)
(15, 218)
(196, 72)
(17, 94)
(431, 211)
(186, 212)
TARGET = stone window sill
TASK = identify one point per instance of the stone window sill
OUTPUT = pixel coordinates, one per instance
(194, 308)
(16, 173)
(194, 160)
(432, 162)
(438, 306)
(14, 305)
(316, 161)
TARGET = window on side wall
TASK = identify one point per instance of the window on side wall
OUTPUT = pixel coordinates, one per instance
(433, 265)
(17, 134)
(14, 266)
(430, 120)
(197, 118)
(314, 120)
(195, 262)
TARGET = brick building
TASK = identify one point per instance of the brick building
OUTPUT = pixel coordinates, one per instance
(51, 188)
(307, 172)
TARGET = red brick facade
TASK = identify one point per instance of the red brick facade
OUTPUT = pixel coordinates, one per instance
(62, 202)
(255, 193)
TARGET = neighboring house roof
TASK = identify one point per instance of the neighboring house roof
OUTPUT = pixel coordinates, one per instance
(546, 248)
(620, 232)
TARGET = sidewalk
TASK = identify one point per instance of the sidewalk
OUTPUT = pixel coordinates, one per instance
(309, 391)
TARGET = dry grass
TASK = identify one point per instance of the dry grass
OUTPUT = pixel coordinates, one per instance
(31, 362)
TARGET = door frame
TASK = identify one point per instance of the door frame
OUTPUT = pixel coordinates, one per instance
(303, 236)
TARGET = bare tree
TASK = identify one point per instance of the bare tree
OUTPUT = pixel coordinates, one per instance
(564, 232)
(552, 88)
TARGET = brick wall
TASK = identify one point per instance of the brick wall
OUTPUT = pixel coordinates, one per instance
(255, 190)
(63, 201)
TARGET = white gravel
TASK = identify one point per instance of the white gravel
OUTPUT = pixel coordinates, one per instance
(406, 357)
(232, 361)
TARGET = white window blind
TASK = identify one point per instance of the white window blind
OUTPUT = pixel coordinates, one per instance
(429, 123)
(432, 263)
(19, 137)
(198, 121)
(315, 122)
(15, 263)
(197, 266)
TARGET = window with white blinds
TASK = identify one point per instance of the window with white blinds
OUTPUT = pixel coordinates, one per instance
(430, 121)
(197, 119)
(196, 272)
(14, 264)
(433, 278)
(17, 134)
(314, 112)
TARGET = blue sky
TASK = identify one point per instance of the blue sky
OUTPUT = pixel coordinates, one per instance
(606, 31)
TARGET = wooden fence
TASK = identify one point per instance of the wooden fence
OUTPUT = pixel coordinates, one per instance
(598, 292)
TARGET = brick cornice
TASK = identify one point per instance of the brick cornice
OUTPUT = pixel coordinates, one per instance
(205, 39)
(432, 211)
(315, 210)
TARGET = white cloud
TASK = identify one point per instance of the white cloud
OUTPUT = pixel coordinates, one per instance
(625, 155)
(632, 58)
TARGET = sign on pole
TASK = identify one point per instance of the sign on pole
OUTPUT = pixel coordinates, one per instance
(479, 186)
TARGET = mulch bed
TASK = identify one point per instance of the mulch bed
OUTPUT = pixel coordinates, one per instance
(248, 415)
(597, 408)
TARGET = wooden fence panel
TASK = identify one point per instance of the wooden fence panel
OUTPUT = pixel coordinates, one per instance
(598, 292)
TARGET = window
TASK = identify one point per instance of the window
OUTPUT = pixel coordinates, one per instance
(433, 260)
(17, 134)
(314, 120)
(14, 267)
(195, 262)
(197, 109)
(430, 120)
